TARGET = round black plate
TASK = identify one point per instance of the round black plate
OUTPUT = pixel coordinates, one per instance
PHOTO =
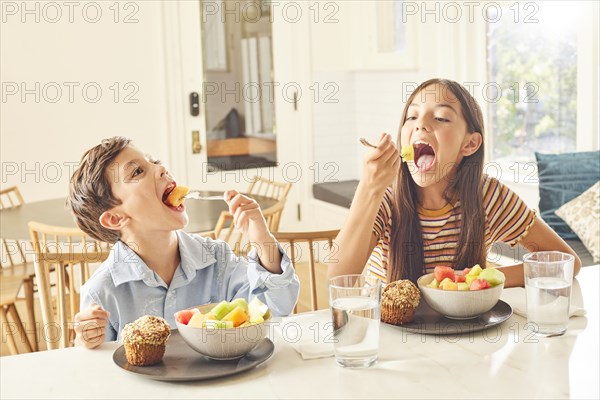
(182, 363)
(431, 322)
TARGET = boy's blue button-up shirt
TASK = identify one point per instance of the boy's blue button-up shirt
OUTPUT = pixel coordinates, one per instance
(209, 272)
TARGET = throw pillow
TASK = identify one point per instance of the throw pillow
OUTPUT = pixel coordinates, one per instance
(582, 214)
(563, 177)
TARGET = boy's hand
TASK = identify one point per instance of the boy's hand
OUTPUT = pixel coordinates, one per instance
(249, 219)
(247, 216)
(90, 326)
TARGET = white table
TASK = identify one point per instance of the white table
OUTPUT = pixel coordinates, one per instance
(499, 363)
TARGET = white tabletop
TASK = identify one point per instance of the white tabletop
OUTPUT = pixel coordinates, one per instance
(507, 362)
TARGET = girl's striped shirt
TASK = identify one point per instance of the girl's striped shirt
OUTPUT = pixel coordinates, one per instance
(507, 220)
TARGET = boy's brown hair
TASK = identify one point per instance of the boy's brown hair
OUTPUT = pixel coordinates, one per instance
(90, 193)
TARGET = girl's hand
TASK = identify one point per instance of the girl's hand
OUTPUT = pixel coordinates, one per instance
(381, 165)
(90, 326)
(247, 216)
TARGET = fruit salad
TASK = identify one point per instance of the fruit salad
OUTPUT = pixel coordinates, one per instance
(237, 313)
(475, 278)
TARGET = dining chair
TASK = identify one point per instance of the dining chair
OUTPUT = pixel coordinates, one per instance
(15, 264)
(62, 256)
(225, 230)
(269, 188)
(9, 289)
(318, 246)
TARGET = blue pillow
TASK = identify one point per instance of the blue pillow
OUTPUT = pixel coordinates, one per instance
(562, 178)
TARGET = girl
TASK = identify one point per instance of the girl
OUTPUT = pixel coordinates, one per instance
(440, 208)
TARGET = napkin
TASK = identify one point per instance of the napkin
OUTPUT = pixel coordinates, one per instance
(316, 334)
(516, 297)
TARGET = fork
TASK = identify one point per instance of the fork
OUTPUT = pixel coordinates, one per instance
(366, 143)
(195, 195)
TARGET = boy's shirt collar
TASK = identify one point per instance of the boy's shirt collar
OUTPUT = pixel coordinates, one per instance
(127, 266)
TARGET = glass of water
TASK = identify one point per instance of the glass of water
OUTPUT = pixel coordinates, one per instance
(355, 309)
(548, 280)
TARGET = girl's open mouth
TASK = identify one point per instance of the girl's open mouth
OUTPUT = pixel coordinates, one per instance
(424, 156)
(165, 195)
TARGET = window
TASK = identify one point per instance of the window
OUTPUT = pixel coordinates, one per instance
(532, 72)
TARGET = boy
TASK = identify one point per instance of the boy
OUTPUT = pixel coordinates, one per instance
(154, 267)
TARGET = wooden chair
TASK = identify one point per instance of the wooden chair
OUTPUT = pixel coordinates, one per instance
(15, 264)
(225, 230)
(9, 288)
(10, 197)
(64, 253)
(317, 251)
(276, 190)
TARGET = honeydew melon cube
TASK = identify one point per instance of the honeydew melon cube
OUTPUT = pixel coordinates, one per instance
(240, 302)
(222, 309)
(463, 286)
(257, 309)
(197, 320)
(444, 282)
(493, 276)
(449, 285)
(434, 284)
(475, 271)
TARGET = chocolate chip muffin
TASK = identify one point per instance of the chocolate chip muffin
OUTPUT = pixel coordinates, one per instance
(399, 301)
(145, 340)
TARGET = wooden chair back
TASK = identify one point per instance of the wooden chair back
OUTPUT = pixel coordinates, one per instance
(319, 246)
(12, 249)
(276, 190)
(225, 230)
(10, 197)
(62, 256)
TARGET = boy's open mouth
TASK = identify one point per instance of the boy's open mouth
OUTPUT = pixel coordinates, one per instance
(424, 155)
(165, 195)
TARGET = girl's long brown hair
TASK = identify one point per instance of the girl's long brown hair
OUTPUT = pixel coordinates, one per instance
(406, 259)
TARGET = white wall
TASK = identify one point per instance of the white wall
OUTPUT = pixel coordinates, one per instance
(48, 138)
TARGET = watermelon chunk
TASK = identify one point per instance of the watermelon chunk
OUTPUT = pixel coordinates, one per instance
(443, 272)
(184, 316)
(479, 284)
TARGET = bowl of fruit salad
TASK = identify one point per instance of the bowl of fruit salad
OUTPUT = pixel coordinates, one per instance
(462, 294)
(225, 330)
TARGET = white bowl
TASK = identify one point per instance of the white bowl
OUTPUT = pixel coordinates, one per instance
(459, 304)
(223, 344)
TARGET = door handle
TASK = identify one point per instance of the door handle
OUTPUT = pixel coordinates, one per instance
(196, 146)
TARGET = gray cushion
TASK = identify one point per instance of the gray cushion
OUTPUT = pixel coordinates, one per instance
(563, 177)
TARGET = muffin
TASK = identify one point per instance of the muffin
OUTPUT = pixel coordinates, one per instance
(145, 340)
(399, 301)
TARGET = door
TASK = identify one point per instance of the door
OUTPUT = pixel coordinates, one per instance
(235, 75)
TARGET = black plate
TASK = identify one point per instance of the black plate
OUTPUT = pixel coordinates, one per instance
(431, 322)
(182, 363)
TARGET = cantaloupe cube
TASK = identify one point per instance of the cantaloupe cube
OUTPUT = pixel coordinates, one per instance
(214, 324)
(176, 197)
(238, 316)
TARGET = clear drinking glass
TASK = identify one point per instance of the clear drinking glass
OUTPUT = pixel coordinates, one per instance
(355, 309)
(548, 280)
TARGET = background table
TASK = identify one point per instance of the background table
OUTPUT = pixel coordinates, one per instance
(506, 361)
(203, 215)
